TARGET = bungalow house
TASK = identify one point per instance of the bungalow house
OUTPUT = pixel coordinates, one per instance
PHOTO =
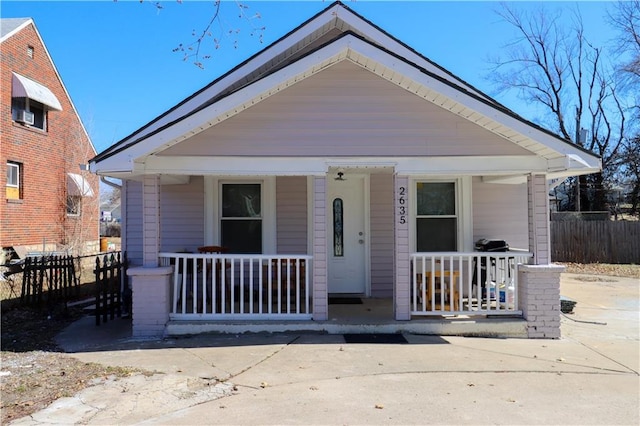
(337, 162)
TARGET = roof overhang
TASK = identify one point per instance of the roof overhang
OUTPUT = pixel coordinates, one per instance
(23, 87)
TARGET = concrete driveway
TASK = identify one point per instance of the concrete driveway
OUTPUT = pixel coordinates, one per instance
(589, 376)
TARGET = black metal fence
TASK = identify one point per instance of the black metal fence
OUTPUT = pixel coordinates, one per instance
(112, 292)
(48, 280)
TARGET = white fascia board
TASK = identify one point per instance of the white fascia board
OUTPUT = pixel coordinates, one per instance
(17, 29)
(253, 64)
(577, 164)
(234, 166)
(319, 166)
(388, 42)
(471, 165)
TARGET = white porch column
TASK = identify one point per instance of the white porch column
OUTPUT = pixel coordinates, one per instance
(150, 221)
(539, 282)
(320, 285)
(539, 233)
(402, 263)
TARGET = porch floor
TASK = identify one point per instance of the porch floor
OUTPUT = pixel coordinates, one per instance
(372, 316)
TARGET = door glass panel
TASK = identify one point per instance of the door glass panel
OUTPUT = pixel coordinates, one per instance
(338, 232)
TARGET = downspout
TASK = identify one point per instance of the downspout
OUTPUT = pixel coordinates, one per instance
(103, 179)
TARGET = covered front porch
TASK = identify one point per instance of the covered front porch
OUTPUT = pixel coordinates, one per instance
(189, 290)
(212, 287)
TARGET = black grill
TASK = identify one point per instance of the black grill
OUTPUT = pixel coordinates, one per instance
(491, 245)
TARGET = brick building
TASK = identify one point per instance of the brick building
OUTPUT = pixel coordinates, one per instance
(51, 203)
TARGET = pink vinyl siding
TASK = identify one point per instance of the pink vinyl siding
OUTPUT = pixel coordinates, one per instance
(341, 111)
(182, 218)
(500, 212)
(291, 214)
(132, 221)
(381, 223)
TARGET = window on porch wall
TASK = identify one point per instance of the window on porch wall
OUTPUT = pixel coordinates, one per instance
(436, 217)
(241, 218)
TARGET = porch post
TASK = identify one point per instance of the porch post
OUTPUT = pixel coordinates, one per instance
(320, 289)
(402, 263)
(539, 282)
(151, 220)
(539, 233)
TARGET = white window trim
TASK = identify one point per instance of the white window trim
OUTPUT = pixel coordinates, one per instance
(213, 206)
(11, 164)
(464, 209)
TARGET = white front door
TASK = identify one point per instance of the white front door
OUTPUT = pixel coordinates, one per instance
(346, 237)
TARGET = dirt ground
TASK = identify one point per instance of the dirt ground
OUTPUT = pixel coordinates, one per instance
(34, 373)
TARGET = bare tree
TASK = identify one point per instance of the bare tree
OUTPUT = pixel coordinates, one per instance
(217, 30)
(558, 68)
(625, 18)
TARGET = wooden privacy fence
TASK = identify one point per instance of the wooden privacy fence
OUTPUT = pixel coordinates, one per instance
(595, 241)
(110, 286)
(51, 279)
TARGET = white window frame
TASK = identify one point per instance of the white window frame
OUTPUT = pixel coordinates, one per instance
(464, 210)
(10, 165)
(213, 209)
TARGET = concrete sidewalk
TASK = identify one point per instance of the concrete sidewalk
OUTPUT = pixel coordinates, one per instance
(589, 376)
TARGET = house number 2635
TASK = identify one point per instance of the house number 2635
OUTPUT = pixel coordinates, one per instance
(402, 208)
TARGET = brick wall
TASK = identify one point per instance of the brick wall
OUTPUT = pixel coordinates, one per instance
(46, 157)
(539, 299)
(150, 300)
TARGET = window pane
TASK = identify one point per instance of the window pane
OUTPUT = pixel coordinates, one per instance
(241, 200)
(242, 236)
(338, 249)
(12, 174)
(436, 234)
(39, 114)
(73, 205)
(436, 198)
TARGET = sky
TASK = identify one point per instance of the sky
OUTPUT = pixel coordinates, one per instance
(117, 62)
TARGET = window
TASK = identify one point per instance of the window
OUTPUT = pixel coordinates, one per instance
(436, 216)
(30, 51)
(18, 105)
(241, 218)
(74, 203)
(14, 171)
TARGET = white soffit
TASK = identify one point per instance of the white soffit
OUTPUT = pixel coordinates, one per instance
(23, 87)
(78, 185)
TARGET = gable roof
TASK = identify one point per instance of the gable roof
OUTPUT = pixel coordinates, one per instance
(335, 34)
(8, 26)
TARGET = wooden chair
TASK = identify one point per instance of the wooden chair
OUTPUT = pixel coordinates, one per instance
(435, 294)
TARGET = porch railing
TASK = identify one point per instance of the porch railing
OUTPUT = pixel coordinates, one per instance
(476, 283)
(230, 286)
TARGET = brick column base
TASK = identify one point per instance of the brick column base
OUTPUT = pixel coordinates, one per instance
(539, 299)
(151, 300)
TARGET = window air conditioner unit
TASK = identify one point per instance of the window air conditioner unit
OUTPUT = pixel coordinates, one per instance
(25, 117)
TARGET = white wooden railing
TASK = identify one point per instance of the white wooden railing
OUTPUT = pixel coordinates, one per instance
(476, 283)
(230, 286)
